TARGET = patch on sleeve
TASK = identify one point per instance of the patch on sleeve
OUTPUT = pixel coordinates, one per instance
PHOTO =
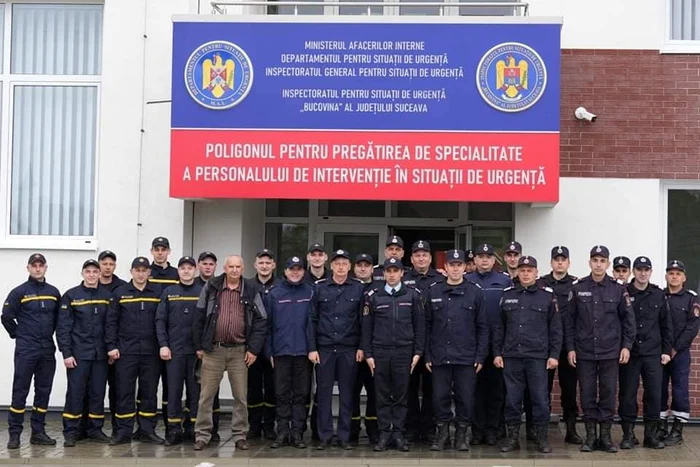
(365, 310)
(696, 310)
(571, 295)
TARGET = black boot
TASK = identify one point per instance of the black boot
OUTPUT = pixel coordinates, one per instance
(662, 429)
(13, 442)
(650, 439)
(572, 437)
(462, 437)
(675, 437)
(512, 442)
(443, 435)
(627, 434)
(297, 441)
(606, 443)
(173, 439)
(542, 438)
(477, 437)
(590, 441)
(281, 440)
(42, 439)
(383, 443)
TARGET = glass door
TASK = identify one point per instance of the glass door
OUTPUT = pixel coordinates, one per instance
(354, 238)
(463, 237)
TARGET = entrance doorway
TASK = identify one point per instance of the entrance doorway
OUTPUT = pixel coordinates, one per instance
(440, 240)
(354, 238)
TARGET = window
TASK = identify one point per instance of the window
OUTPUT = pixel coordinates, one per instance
(682, 26)
(490, 211)
(360, 10)
(287, 208)
(344, 208)
(683, 232)
(296, 9)
(491, 10)
(425, 209)
(286, 240)
(50, 86)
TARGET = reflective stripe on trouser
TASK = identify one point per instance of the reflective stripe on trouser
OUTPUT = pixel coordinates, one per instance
(145, 369)
(42, 369)
(180, 374)
(364, 379)
(89, 378)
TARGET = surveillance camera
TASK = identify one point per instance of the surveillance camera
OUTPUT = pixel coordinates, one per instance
(582, 114)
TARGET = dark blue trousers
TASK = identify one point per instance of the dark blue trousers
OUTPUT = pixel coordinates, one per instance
(490, 397)
(457, 379)
(41, 368)
(88, 378)
(521, 373)
(341, 367)
(649, 367)
(146, 370)
(678, 371)
(391, 378)
(180, 374)
(597, 380)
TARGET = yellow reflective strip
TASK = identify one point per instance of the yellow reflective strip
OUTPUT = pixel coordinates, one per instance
(163, 281)
(125, 415)
(255, 406)
(193, 419)
(217, 410)
(94, 415)
(138, 300)
(355, 418)
(12, 409)
(174, 420)
(164, 402)
(147, 414)
(269, 405)
(185, 409)
(39, 297)
(39, 409)
(370, 418)
(71, 416)
(89, 302)
(183, 299)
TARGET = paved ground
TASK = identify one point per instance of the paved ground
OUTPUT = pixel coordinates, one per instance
(223, 454)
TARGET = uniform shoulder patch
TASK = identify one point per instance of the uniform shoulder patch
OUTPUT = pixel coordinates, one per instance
(376, 266)
(365, 310)
(692, 292)
(548, 289)
(508, 288)
(319, 281)
(576, 281)
(505, 274)
(436, 282)
(620, 281)
(371, 292)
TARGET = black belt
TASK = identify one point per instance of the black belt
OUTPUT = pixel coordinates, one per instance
(227, 345)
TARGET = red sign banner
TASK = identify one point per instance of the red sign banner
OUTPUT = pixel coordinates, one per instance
(406, 166)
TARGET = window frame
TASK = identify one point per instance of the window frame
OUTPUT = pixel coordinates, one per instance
(676, 46)
(8, 82)
(666, 186)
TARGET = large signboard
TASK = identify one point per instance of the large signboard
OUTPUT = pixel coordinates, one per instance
(290, 107)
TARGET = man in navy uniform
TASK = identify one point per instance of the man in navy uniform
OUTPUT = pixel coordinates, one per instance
(527, 343)
(288, 305)
(174, 320)
(600, 330)
(456, 346)
(261, 385)
(393, 340)
(650, 352)
(513, 252)
(419, 421)
(490, 388)
(363, 273)
(29, 316)
(559, 280)
(393, 249)
(685, 314)
(132, 343)
(333, 337)
(80, 334)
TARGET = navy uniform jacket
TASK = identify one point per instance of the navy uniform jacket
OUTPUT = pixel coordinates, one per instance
(492, 283)
(311, 279)
(29, 316)
(131, 321)
(267, 285)
(413, 278)
(391, 321)
(175, 317)
(530, 324)
(163, 276)
(334, 321)
(685, 314)
(456, 328)
(562, 288)
(600, 319)
(81, 323)
(653, 319)
(114, 285)
(288, 308)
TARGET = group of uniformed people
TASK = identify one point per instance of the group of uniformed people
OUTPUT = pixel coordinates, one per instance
(420, 342)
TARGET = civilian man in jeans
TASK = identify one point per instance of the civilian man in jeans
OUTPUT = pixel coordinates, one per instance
(229, 333)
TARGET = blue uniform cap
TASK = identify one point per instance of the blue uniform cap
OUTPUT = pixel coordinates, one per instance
(560, 251)
(527, 261)
(294, 261)
(675, 265)
(187, 260)
(600, 250)
(455, 256)
(364, 257)
(393, 263)
(484, 249)
(140, 262)
(621, 262)
(641, 262)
